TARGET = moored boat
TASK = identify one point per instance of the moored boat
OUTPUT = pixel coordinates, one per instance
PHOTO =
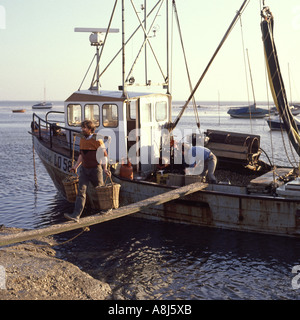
(248, 112)
(43, 105)
(276, 124)
(138, 126)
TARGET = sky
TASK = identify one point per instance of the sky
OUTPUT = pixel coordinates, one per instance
(40, 50)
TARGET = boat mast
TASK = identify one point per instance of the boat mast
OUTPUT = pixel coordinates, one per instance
(123, 49)
(145, 39)
(98, 62)
(167, 35)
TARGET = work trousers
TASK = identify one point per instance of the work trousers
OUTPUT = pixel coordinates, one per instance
(87, 175)
(209, 168)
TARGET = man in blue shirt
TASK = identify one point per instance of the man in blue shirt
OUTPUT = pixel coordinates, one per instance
(200, 160)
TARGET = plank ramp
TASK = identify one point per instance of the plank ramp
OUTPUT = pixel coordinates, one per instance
(98, 218)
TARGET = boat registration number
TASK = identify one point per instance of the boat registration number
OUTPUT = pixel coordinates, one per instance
(62, 163)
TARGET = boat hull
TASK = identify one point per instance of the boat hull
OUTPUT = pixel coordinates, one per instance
(248, 112)
(277, 125)
(56, 164)
(248, 116)
(261, 214)
(42, 106)
(219, 206)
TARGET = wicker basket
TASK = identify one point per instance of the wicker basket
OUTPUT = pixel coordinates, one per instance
(108, 195)
(71, 187)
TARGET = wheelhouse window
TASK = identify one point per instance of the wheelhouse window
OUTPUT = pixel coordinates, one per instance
(74, 115)
(91, 112)
(161, 111)
(132, 110)
(110, 115)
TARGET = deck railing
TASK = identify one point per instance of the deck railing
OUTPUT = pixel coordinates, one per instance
(48, 129)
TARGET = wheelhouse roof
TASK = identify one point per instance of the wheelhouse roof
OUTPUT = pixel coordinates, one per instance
(113, 96)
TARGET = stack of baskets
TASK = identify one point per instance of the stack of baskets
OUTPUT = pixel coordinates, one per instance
(71, 187)
(108, 195)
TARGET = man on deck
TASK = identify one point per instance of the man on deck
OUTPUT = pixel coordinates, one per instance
(197, 156)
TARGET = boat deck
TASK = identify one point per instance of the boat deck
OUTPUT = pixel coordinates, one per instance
(263, 183)
(251, 183)
(57, 142)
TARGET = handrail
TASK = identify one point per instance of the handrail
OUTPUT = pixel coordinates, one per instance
(59, 112)
(50, 129)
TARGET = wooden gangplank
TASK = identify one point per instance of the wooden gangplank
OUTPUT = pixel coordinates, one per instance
(95, 219)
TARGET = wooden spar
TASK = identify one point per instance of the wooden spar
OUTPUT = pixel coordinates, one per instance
(95, 219)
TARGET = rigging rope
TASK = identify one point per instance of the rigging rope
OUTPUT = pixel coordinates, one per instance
(186, 65)
(230, 28)
(245, 64)
(281, 129)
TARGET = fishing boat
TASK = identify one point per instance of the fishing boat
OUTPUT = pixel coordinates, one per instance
(138, 126)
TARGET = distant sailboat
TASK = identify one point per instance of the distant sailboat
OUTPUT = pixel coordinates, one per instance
(250, 111)
(44, 104)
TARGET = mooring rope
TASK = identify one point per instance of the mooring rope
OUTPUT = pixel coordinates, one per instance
(86, 229)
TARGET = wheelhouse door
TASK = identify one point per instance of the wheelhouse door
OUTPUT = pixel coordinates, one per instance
(145, 118)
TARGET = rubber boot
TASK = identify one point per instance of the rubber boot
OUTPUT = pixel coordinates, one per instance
(71, 217)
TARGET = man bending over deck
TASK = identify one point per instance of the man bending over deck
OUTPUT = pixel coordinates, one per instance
(200, 157)
(91, 170)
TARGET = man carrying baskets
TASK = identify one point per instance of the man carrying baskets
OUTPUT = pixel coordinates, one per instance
(92, 155)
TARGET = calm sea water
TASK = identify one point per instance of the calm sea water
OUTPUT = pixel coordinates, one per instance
(142, 259)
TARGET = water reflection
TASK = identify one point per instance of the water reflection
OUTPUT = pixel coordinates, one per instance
(150, 260)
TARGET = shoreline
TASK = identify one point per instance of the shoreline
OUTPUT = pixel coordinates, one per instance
(32, 271)
(222, 103)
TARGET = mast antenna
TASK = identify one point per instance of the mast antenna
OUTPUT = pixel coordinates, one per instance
(97, 39)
